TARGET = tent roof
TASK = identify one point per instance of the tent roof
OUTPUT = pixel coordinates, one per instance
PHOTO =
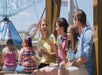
(7, 30)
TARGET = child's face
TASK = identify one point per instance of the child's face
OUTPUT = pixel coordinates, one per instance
(59, 29)
(43, 26)
(69, 34)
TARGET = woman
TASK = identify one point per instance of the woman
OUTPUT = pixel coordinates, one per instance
(26, 54)
(44, 45)
(9, 56)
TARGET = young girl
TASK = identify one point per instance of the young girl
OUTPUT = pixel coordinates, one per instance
(72, 44)
(62, 39)
(9, 56)
(27, 64)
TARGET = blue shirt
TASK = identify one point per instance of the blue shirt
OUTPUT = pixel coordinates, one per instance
(71, 53)
(85, 49)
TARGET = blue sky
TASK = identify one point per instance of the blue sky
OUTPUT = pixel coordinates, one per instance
(24, 19)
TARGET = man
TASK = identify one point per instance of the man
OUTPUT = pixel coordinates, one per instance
(84, 55)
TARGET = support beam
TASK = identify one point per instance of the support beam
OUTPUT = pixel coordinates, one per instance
(52, 12)
(96, 37)
(98, 34)
(99, 37)
(49, 13)
(56, 13)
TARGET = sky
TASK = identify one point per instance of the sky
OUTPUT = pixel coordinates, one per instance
(24, 19)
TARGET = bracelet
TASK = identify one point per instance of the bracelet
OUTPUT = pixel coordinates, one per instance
(62, 65)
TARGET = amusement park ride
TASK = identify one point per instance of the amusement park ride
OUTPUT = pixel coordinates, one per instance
(9, 8)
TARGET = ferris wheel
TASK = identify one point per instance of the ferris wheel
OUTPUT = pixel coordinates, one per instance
(9, 8)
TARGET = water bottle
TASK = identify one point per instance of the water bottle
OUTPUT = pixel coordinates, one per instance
(59, 39)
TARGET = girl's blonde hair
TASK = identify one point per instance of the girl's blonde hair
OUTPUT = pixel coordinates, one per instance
(40, 26)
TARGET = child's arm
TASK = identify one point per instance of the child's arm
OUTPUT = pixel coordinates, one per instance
(20, 56)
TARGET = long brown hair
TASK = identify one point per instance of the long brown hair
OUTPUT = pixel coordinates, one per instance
(62, 22)
(10, 45)
(75, 37)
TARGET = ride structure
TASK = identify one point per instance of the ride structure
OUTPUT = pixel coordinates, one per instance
(9, 8)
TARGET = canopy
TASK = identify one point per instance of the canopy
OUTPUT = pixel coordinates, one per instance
(7, 30)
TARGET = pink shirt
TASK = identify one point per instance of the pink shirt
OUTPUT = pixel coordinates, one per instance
(10, 59)
(64, 46)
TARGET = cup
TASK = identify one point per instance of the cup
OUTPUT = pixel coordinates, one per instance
(51, 38)
(59, 39)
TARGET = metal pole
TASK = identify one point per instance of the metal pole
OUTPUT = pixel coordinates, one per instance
(70, 12)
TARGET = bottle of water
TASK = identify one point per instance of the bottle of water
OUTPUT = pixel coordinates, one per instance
(59, 39)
